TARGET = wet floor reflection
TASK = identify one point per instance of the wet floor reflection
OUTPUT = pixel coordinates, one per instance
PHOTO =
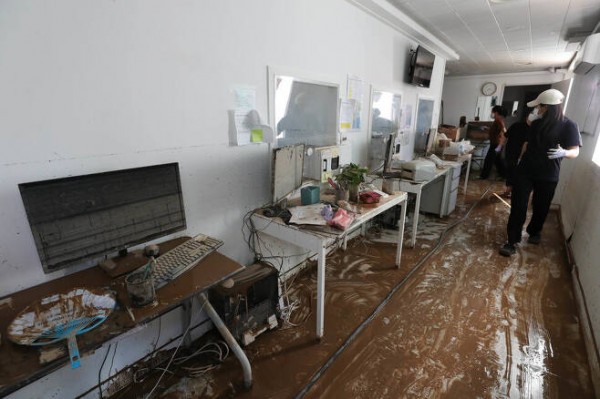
(468, 324)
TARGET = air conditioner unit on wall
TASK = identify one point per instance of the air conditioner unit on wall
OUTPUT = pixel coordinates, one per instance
(591, 55)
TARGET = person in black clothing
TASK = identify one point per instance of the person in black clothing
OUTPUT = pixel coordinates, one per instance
(497, 131)
(550, 139)
(515, 138)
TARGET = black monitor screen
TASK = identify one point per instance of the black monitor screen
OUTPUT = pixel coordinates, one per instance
(421, 67)
(79, 218)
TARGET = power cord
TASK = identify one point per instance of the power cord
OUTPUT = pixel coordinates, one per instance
(172, 357)
(100, 370)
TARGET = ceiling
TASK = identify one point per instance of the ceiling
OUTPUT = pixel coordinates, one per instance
(504, 36)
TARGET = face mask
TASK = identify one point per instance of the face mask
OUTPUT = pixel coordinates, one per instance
(533, 116)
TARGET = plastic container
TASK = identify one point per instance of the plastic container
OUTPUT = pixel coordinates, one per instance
(140, 288)
(310, 195)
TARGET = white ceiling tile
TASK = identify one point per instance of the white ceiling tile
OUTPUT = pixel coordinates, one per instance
(487, 36)
(513, 16)
(578, 4)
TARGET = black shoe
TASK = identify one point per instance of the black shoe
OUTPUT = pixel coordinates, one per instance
(507, 250)
(534, 239)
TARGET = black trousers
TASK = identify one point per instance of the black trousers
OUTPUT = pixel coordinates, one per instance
(543, 192)
(492, 158)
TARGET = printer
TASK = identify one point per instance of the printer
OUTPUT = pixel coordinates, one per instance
(418, 170)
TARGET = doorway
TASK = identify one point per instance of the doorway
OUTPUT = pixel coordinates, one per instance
(515, 101)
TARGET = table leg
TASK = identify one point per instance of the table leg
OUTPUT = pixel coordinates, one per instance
(413, 241)
(226, 334)
(320, 291)
(400, 232)
(467, 175)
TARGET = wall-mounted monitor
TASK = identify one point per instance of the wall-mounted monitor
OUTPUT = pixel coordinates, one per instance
(421, 67)
(76, 219)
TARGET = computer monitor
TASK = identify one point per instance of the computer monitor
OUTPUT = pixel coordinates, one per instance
(391, 148)
(431, 140)
(75, 219)
(286, 174)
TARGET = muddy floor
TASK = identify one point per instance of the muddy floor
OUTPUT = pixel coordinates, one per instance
(457, 320)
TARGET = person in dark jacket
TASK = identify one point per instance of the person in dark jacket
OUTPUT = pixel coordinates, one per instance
(497, 131)
(513, 147)
(551, 138)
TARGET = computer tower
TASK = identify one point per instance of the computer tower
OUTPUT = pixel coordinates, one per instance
(247, 303)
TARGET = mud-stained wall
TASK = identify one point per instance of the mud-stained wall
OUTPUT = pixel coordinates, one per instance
(92, 86)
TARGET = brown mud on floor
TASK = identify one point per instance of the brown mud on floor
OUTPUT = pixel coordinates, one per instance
(468, 324)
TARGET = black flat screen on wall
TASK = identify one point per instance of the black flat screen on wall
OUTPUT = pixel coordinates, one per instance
(75, 219)
(421, 67)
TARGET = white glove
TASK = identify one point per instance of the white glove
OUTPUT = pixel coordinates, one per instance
(555, 153)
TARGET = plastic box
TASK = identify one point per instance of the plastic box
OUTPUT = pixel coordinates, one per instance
(310, 195)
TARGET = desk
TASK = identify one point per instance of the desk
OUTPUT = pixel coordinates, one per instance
(409, 186)
(20, 366)
(462, 159)
(416, 188)
(320, 241)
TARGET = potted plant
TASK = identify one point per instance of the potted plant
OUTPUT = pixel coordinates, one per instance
(349, 179)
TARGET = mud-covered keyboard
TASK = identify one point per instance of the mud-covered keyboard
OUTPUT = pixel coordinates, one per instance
(183, 257)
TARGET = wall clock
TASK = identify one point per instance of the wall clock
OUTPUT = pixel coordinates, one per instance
(488, 88)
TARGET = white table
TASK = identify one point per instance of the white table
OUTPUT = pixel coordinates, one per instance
(320, 241)
(416, 188)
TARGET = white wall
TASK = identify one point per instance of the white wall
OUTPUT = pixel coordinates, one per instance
(90, 86)
(579, 187)
(460, 92)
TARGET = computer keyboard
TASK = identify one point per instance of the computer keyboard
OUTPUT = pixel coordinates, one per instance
(183, 257)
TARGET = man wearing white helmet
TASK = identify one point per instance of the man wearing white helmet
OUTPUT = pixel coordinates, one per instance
(551, 138)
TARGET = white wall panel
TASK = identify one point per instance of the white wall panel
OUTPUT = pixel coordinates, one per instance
(91, 86)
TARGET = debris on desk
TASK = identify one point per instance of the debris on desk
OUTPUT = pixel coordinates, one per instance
(342, 219)
(49, 354)
(6, 302)
(348, 207)
(61, 317)
(327, 212)
(369, 197)
(307, 214)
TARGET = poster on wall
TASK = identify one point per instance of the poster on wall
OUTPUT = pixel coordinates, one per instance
(354, 95)
(245, 125)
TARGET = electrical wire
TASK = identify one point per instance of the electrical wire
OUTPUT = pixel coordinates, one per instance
(172, 357)
(100, 370)
(196, 371)
(388, 297)
(168, 364)
(113, 359)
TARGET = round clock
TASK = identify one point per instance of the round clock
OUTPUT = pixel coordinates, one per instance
(488, 88)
